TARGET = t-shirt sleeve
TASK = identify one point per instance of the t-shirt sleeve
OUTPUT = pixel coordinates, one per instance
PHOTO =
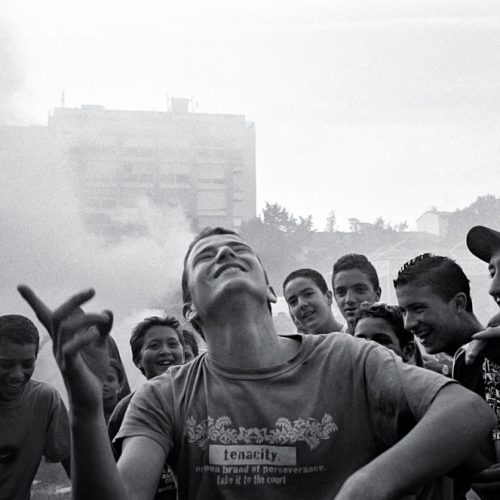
(150, 414)
(399, 393)
(57, 438)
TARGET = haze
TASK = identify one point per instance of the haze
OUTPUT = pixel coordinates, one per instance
(366, 108)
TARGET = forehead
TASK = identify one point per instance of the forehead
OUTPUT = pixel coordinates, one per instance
(422, 294)
(17, 352)
(366, 326)
(299, 284)
(160, 332)
(351, 277)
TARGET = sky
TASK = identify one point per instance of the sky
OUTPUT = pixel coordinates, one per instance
(382, 108)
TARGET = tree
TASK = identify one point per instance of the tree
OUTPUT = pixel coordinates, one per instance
(331, 222)
(484, 211)
(305, 224)
(402, 227)
(278, 217)
(379, 223)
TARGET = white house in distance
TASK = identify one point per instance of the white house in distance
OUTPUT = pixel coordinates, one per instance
(434, 222)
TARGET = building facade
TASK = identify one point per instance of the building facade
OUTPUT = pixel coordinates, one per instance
(203, 164)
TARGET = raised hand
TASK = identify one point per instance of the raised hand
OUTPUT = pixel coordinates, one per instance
(79, 344)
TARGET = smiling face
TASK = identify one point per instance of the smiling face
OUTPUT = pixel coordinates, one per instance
(494, 269)
(17, 362)
(220, 266)
(432, 319)
(160, 349)
(380, 331)
(111, 384)
(309, 305)
(351, 287)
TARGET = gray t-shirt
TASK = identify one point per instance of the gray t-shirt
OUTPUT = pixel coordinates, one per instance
(296, 430)
(33, 425)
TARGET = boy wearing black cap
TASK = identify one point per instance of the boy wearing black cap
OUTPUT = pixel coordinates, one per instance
(484, 243)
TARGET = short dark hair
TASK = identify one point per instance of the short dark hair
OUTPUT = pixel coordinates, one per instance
(140, 330)
(19, 330)
(190, 340)
(356, 261)
(442, 274)
(311, 274)
(392, 314)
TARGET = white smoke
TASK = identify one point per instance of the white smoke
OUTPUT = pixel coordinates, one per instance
(45, 245)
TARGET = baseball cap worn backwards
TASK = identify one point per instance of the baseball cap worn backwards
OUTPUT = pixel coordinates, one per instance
(483, 241)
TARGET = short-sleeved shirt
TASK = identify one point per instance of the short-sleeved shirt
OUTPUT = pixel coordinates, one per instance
(34, 425)
(295, 430)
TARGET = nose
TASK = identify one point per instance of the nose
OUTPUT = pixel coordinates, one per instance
(494, 290)
(302, 301)
(164, 349)
(350, 296)
(17, 373)
(410, 321)
(224, 252)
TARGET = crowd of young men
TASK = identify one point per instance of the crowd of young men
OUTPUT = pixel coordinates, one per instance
(307, 415)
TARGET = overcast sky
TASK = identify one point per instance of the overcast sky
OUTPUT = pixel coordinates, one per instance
(366, 108)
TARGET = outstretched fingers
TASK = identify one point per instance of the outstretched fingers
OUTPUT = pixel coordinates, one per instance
(71, 305)
(43, 313)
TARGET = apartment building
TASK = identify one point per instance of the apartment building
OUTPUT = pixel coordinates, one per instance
(200, 163)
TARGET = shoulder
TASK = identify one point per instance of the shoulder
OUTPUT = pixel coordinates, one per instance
(342, 350)
(122, 405)
(175, 379)
(42, 390)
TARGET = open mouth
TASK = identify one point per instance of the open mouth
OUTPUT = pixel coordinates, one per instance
(164, 363)
(14, 387)
(423, 335)
(226, 267)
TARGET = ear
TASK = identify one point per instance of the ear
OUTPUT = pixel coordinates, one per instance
(378, 293)
(271, 295)
(189, 312)
(329, 297)
(460, 300)
(408, 351)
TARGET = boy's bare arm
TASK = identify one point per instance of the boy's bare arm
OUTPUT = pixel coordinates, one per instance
(80, 348)
(448, 434)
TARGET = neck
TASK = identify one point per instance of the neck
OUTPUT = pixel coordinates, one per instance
(468, 327)
(244, 336)
(331, 326)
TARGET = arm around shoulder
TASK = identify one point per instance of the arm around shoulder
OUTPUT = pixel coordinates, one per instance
(453, 427)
